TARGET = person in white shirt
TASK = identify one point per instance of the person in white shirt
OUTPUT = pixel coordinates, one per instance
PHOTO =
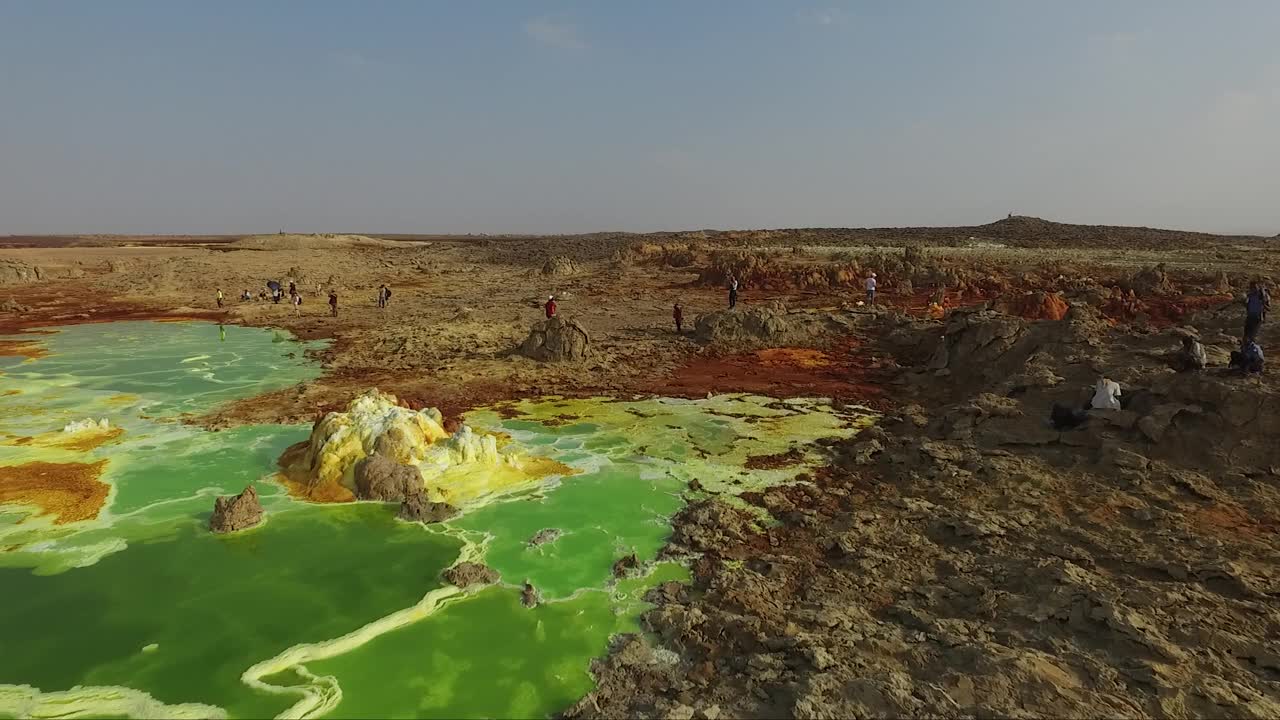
(1106, 395)
(871, 289)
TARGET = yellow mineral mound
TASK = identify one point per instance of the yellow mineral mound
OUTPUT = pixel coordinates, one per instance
(455, 468)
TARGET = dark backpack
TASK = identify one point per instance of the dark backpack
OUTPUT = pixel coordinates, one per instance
(388, 295)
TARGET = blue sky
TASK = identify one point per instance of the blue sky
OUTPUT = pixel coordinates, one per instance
(384, 116)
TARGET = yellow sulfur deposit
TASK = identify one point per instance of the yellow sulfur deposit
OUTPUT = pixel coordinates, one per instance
(455, 468)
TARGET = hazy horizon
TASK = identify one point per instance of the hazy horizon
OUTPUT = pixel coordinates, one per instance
(146, 117)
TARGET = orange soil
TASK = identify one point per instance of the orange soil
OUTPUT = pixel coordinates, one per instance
(71, 492)
(845, 373)
(22, 348)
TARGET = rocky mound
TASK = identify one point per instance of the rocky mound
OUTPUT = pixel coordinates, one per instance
(529, 595)
(237, 512)
(466, 574)
(1037, 305)
(376, 424)
(417, 507)
(759, 325)
(559, 265)
(378, 477)
(14, 272)
(17, 272)
(13, 306)
(556, 340)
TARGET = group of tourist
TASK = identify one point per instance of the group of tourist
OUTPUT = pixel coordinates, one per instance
(1191, 357)
(276, 293)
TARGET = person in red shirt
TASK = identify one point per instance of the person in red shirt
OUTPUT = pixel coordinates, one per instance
(678, 315)
(551, 307)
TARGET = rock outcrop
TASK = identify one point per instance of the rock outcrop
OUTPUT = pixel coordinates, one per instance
(467, 574)
(378, 477)
(236, 512)
(13, 306)
(759, 325)
(625, 565)
(14, 272)
(529, 596)
(544, 537)
(556, 340)
(559, 265)
(417, 507)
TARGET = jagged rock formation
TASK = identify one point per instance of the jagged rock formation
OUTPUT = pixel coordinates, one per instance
(236, 512)
(624, 565)
(417, 507)
(16, 272)
(467, 574)
(1150, 281)
(556, 340)
(529, 596)
(13, 306)
(544, 536)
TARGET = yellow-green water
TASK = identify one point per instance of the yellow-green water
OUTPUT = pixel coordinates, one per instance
(331, 610)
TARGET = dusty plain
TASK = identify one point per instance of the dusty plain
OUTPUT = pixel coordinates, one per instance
(961, 558)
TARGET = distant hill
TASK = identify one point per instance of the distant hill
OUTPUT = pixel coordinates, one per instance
(1016, 231)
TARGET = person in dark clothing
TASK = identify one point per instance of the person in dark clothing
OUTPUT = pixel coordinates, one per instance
(733, 292)
(1256, 305)
(550, 307)
(333, 303)
(293, 288)
(677, 314)
(1063, 417)
(1249, 358)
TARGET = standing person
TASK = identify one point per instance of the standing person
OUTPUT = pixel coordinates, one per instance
(333, 303)
(293, 288)
(871, 289)
(1256, 305)
(297, 304)
(219, 297)
(550, 306)
(733, 292)
(677, 314)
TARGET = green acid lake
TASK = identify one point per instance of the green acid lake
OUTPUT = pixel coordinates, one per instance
(325, 610)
